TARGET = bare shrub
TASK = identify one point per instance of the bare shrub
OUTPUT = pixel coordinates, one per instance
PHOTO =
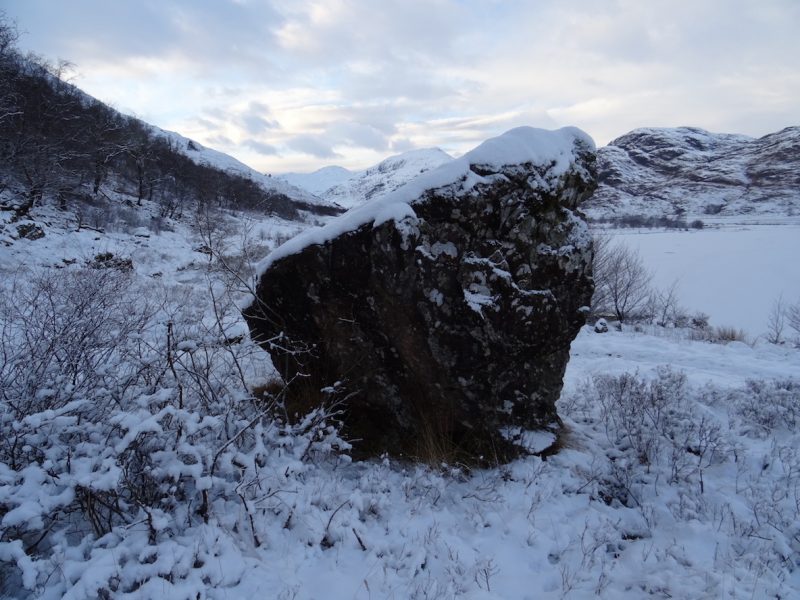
(130, 408)
(793, 317)
(654, 422)
(725, 334)
(793, 320)
(699, 320)
(776, 322)
(663, 306)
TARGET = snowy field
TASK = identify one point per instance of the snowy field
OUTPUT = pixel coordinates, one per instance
(733, 273)
(679, 476)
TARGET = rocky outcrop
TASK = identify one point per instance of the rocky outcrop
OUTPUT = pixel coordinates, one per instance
(689, 171)
(447, 308)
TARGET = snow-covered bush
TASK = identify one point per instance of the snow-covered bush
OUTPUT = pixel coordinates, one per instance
(126, 421)
(671, 454)
(764, 406)
(653, 423)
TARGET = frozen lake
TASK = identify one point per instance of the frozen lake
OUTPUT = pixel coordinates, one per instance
(732, 273)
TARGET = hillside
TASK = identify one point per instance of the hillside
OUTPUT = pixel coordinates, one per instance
(692, 172)
(59, 145)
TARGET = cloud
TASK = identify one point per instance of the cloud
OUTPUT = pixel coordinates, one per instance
(261, 147)
(357, 134)
(312, 145)
(206, 36)
(255, 118)
(290, 84)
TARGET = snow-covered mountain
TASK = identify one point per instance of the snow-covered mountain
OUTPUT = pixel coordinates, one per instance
(356, 188)
(689, 171)
(320, 180)
(654, 171)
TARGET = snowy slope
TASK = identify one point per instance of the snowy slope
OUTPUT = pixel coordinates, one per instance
(664, 171)
(386, 176)
(319, 181)
(208, 156)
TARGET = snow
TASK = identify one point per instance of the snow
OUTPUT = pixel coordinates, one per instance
(732, 273)
(534, 529)
(319, 181)
(385, 177)
(332, 528)
(515, 147)
(529, 145)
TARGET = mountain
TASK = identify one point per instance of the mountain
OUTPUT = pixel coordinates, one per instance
(648, 172)
(358, 187)
(320, 180)
(690, 171)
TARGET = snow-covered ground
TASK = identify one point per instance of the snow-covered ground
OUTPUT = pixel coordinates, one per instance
(732, 271)
(690, 489)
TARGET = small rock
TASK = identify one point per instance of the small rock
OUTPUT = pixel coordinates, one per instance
(30, 231)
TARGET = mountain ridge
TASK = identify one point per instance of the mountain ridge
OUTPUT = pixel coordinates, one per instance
(649, 171)
(352, 188)
(691, 171)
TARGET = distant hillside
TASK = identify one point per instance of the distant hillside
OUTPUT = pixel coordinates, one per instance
(356, 188)
(688, 171)
(320, 180)
(57, 144)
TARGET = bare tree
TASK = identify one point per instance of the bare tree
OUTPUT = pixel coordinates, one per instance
(776, 323)
(793, 317)
(622, 283)
(663, 305)
(600, 301)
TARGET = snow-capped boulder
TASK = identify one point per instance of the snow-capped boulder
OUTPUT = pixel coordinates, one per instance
(447, 307)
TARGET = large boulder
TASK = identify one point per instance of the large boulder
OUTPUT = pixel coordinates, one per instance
(447, 308)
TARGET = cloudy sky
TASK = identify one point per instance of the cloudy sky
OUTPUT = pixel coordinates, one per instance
(299, 84)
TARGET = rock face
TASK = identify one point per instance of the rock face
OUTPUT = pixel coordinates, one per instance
(685, 170)
(447, 308)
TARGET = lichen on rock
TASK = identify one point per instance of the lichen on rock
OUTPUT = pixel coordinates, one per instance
(446, 308)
